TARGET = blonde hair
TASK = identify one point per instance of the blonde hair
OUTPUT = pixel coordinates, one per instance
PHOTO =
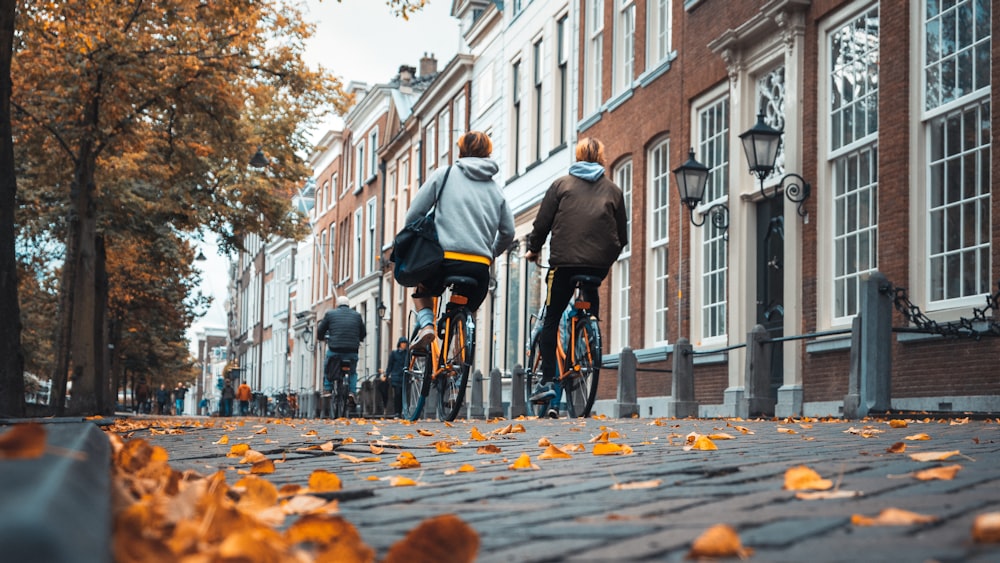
(589, 149)
(475, 143)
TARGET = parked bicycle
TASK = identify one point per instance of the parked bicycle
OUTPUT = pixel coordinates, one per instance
(282, 406)
(445, 364)
(578, 355)
(341, 403)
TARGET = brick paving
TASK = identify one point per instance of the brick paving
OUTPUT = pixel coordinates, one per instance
(567, 511)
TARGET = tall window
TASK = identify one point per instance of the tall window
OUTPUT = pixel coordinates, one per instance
(327, 254)
(592, 97)
(334, 190)
(622, 282)
(516, 115)
(854, 59)
(319, 286)
(713, 146)
(659, 235)
(956, 122)
(461, 119)
(536, 62)
(324, 196)
(360, 165)
(624, 70)
(444, 137)
(562, 76)
(372, 154)
(657, 32)
(371, 243)
(359, 238)
(430, 148)
(344, 250)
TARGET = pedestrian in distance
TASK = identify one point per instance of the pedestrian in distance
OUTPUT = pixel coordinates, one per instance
(395, 368)
(179, 394)
(584, 211)
(343, 329)
(243, 395)
(474, 226)
(162, 399)
(142, 397)
(227, 398)
(382, 387)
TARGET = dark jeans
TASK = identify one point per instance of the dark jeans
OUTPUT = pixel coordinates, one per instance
(479, 272)
(560, 291)
(227, 407)
(334, 358)
(244, 408)
(397, 400)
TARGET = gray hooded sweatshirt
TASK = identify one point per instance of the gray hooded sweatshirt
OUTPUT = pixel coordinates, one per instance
(472, 216)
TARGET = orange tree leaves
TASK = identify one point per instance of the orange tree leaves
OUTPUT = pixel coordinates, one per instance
(442, 538)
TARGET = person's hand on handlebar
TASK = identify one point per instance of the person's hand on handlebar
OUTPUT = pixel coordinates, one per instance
(531, 256)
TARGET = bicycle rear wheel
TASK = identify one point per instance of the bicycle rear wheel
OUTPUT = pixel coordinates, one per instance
(339, 406)
(533, 376)
(459, 348)
(580, 384)
(414, 394)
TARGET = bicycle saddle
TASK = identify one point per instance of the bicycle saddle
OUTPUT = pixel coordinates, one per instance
(460, 281)
(586, 281)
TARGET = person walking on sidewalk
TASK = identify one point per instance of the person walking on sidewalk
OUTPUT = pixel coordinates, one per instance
(474, 226)
(179, 394)
(226, 406)
(243, 395)
(343, 329)
(162, 398)
(585, 213)
(394, 368)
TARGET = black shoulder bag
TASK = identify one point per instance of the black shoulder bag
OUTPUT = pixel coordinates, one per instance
(416, 252)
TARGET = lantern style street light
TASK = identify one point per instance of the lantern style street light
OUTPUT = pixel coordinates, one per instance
(761, 143)
(258, 160)
(691, 178)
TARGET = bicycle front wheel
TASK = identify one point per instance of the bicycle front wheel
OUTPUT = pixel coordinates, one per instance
(533, 376)
(580, 384)
(414, 394)
(459, 347)
(339, 406)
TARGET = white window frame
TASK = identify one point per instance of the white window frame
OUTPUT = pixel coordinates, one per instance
(460, 119)
(430, 145)
(516, 73)
(360, 165)
(593, 97)
(372, 154)
(537, 85)
(370, 239)
(658, 232)
(621, 286)
(332, 200)
(444, 137)
(359, 236)
(659, 21)
(623, 67)
(562, 89)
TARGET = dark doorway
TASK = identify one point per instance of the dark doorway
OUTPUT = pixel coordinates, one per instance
(770, 280)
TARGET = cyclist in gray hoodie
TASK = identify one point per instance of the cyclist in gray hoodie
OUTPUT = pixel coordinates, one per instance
(474, 226)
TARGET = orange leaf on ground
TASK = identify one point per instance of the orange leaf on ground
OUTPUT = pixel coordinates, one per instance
(488, 449)
(353, 459)
(959, 421)
(600, 438)
(743, 429)
(651, 484)
(720, 436)
(405, 460)
(784, 430)
(252, 456)
(827, 495)
(348, 440)
(523, 462)
(326, 446)
(258, 493)
(423, 432)
(543, 441)
(946, 473)
(375, 448)
(921, 436)
(892, 517)
(398, 481)
(611, 449)
(263, 466)
(934, 456)
(553, 452)
(23, 441)
(237, 450)
(986, 528)
(720, 540)
(441, 538)
(476, 434)
(310, 433)
(518, 428)
(897, 448)
(464, 469)
(897, 424)
(223, 440)
(443, 447)
(802, 478)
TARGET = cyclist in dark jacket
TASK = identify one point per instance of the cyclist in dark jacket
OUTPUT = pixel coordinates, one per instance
(343, 329)
(585, 213)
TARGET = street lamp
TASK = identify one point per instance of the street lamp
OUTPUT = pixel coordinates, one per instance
(761, 144)
(691, 178)
(200, 257)
(258, 160)
(380, 310)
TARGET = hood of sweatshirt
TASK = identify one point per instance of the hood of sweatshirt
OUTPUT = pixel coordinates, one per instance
(589, 171)
(476, 168)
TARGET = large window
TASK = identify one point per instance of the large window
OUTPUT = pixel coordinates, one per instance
(593, 50)
(854, 59)
(359, 239)
(624, 67)
(713, 146)
(371, 242)
(956, 120)
(657, 32)
(444, 137)
(562, 77)
(659, 236)
(515, 72)
(360, 165)
(461, 117)
(538, 72)
(372, 154)
(430, 148)
(622, 284)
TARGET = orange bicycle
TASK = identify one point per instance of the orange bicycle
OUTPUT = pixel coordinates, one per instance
(578, 355)
(445, 364)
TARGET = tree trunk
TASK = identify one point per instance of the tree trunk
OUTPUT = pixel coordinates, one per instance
(107, 394)
(11, 355)
(85, 397)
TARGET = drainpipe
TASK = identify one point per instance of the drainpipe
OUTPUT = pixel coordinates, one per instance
(381, 273)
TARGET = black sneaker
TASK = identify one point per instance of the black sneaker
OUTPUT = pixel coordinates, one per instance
(543, 392)
(552, 413)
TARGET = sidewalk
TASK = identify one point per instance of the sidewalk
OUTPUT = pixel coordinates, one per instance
(567, 510)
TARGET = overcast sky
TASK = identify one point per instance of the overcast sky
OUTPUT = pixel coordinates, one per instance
(357, 40)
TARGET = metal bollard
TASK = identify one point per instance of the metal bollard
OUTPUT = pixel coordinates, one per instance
(681, 403)
(476, 402)
(517, 392)
(496, 394)
(626, 406)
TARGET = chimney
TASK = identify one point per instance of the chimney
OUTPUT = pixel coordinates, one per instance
(428, 65)
(406, 74)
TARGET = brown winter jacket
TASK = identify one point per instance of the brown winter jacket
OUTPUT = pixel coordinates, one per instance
(587, 220)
